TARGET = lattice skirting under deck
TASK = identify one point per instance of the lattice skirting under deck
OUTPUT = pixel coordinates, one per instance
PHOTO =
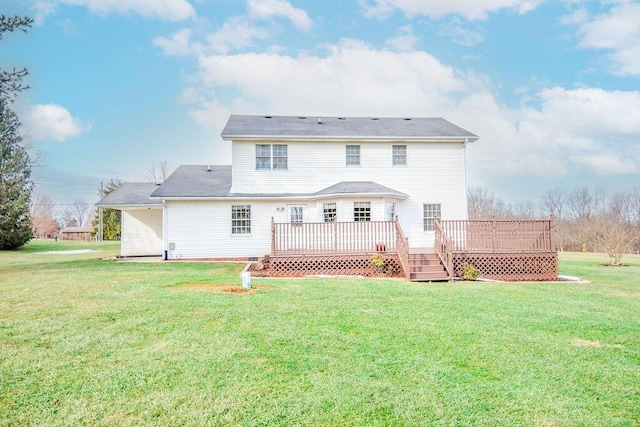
(536, 266)
(334, 265)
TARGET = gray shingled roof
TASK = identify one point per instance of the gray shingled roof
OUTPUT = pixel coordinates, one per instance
(251, 126)
(360, 187)
(130, 194)
(196, 181)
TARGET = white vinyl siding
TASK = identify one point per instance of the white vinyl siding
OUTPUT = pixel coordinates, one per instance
(434, 171)
(141, 232)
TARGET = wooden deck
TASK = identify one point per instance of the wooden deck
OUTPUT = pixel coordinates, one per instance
(504, 250)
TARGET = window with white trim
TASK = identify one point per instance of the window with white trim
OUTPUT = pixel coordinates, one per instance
(362, 211)
(329, 212)
(353, 155)
(399, 155)
(390, 211)
(240, 219)
(271, 156)
(296, 214)
(431, 211)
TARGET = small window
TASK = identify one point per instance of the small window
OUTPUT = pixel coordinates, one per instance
(362, 211)
(329, 212)
(399, 155)
(263, 156)
(390, 211)
(353, 155)
(431, 212)
(296, 214)
(280, 157)
(240, 219)
(268, 158)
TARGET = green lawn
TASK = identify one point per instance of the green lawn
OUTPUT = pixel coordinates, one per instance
(86, 340)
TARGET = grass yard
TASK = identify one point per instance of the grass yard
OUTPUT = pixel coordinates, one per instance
(91, 341)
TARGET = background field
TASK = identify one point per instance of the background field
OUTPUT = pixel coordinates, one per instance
(87, 340)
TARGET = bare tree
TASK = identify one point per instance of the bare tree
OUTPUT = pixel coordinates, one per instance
(158, 173)
(41, 211)
(484, 204)
(78, 214)
(612, 235)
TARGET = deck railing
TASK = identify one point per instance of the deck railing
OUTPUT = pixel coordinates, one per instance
(443, 247)
(500, 236)
(313, 238)
(402, 248)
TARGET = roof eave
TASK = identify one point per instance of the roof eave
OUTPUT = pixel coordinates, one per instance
(251, 138)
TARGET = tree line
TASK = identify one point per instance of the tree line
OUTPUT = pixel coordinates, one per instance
(586, 219)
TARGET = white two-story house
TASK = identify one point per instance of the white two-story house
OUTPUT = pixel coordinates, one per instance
(290, 169)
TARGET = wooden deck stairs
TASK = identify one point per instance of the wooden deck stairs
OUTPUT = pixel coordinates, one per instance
(425, 266)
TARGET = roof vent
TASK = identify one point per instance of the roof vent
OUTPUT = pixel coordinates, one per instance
(208, 168)
(374, 118)
(407, 118)
(302, 117)
(340, 118)
(320, 120)
(267, 117)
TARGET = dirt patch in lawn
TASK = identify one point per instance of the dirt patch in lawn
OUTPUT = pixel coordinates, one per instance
(220, 287)
(593, 344)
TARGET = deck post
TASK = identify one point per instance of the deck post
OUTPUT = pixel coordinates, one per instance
(552, 233)
(493, 236)
(335, 236)
(273, 237)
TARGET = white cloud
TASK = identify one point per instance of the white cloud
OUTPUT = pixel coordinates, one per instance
(179, 44)
(404, 41)
(567, 132)
(352, 76)
(265, 9)
(167, 10)
(460, 35)
(51, 122)
(236, 33)
(470, 9)
(618, 32)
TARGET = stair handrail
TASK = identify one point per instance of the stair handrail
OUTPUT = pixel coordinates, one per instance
(402, 249)
(443, 247)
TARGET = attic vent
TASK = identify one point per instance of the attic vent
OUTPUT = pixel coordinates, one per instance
(302, 117)
(320, 120)
(407, 118)
(374, 118)
(340, 118)
(267, 117)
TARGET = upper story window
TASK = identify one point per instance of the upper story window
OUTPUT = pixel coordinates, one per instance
(240, 219)
(362, 211)
(270, 156)
(399, 155)
(353, 155)
(329, 212)
(431, 211)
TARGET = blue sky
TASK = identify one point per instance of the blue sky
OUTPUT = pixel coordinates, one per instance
(551, 87)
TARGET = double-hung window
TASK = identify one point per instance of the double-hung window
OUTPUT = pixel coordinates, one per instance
(270, 156)
(240, 219)
(390, 211)
(362, 211)
(329, 212)
(399, 155)
(431, 211)
(353, 155)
